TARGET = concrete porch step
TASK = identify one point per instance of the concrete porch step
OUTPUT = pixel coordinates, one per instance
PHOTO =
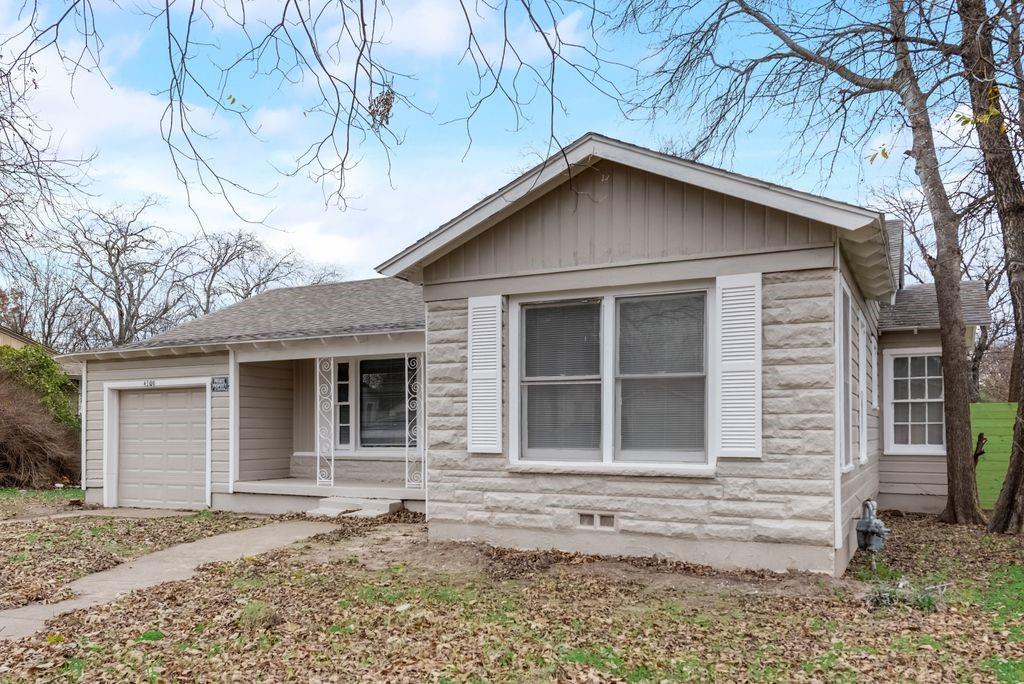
(333, 506)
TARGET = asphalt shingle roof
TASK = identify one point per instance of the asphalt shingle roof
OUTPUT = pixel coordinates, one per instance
(346, 308)
(916, 307)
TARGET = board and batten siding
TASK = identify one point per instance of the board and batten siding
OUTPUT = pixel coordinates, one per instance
(775, 512)
(265, 411)
(911, 482)
(611, 214)
(157, 368)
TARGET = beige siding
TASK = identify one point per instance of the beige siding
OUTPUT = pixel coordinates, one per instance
(612, 214)
(304, 409)
(7, 340)
(915, 482)
(264, 420)
(776, 511)
(157, 368)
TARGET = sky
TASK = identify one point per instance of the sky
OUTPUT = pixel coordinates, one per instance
(442, 166)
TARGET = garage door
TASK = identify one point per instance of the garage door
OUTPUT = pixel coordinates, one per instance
(162, 448)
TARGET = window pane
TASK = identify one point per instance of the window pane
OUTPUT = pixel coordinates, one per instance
(935, 388)
(901, 412)
(663, 334)
(566, 417)
(935, 435)
(917, 389)
(342, 372)
(935, 366)
(917, 413)
(662, 415)
(917, 434)
(899, 367)
(899, 389)
(342, 392)
(343, 415)
(901, 434)
(917, 367)
(562, 339)
(935, 412)
(343, 434)
(382, 403)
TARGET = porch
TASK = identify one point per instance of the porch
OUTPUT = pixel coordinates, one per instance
(342, 425)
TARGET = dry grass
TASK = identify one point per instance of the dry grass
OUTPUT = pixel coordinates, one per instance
(382, 604)
(40, 557)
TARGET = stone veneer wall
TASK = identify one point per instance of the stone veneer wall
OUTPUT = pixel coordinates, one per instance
(775, 512)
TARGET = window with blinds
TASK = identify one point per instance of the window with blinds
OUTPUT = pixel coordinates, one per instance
(661, 382)
(658, 379)
(561, 383)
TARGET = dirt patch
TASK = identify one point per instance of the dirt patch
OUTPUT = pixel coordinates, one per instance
(19, 504)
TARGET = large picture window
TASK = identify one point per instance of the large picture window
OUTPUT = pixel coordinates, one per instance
(644, 355)
(914, 405)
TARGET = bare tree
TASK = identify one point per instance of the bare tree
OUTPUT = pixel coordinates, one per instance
(332, 57)
(236, 266)
(843, 73)
(44, 305)
(133, 276)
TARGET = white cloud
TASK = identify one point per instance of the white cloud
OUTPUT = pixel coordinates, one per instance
(424, 27)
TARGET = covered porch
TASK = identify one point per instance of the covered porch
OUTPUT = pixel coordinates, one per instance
(334, 418)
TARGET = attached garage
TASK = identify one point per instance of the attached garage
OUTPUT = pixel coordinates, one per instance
(162, 448)
(157, 440)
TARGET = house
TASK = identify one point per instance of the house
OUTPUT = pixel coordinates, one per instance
(618, 352)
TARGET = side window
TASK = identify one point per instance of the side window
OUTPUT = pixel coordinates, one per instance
(917, 401)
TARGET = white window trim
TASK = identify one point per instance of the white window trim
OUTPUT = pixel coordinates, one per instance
(608, 385)
(892, 449)
(862, 385)
(353, 451)
(843, 422)
(111, 429)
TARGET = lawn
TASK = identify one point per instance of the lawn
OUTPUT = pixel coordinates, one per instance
(996, 421)
(18, 503)
(377, 602)
(39, 557)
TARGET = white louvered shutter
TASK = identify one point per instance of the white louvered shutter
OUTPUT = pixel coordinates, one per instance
(738, 307)
(485, 375)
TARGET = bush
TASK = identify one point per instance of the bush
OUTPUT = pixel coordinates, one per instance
(32, 367)
(36, 451)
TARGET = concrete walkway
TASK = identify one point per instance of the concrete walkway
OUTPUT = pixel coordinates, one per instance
(174, 563)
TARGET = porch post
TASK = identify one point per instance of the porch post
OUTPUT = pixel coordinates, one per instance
(325, 403)
(413, 448)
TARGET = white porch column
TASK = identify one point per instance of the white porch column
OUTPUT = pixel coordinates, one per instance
(325, 409)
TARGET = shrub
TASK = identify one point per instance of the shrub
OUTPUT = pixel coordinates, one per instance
(36, 451)
(32, 367)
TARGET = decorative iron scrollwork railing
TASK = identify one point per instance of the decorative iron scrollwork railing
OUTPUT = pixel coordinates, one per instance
(413, 449)
(325, 424)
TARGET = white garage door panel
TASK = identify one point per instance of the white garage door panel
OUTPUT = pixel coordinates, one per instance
(162, 448)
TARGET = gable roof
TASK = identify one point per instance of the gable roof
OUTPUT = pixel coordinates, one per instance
(23, 338)
(916, 307)
(864, 240)
(356, 307)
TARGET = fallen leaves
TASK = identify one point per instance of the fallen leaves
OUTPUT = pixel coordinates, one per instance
(314, 611)
(41, 556)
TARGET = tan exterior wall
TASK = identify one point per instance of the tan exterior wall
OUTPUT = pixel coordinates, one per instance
(775, 512)
(7, 340)
(304, 408)
(265, 398)
(612, 214)
(157, 368)
(911, 482)
(862, 481)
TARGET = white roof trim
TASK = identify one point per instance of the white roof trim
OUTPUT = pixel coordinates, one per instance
(583, 153)
(214, 347)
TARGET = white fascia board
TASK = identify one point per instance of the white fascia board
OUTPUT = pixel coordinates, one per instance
(585, 152)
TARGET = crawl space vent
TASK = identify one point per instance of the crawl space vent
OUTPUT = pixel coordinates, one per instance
(601, 521)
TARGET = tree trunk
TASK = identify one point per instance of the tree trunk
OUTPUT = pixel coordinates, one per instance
(962, 505)
(978, 59)
(1016, 367)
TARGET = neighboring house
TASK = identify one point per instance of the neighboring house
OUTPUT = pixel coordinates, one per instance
(11, 338)
(650, 357)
